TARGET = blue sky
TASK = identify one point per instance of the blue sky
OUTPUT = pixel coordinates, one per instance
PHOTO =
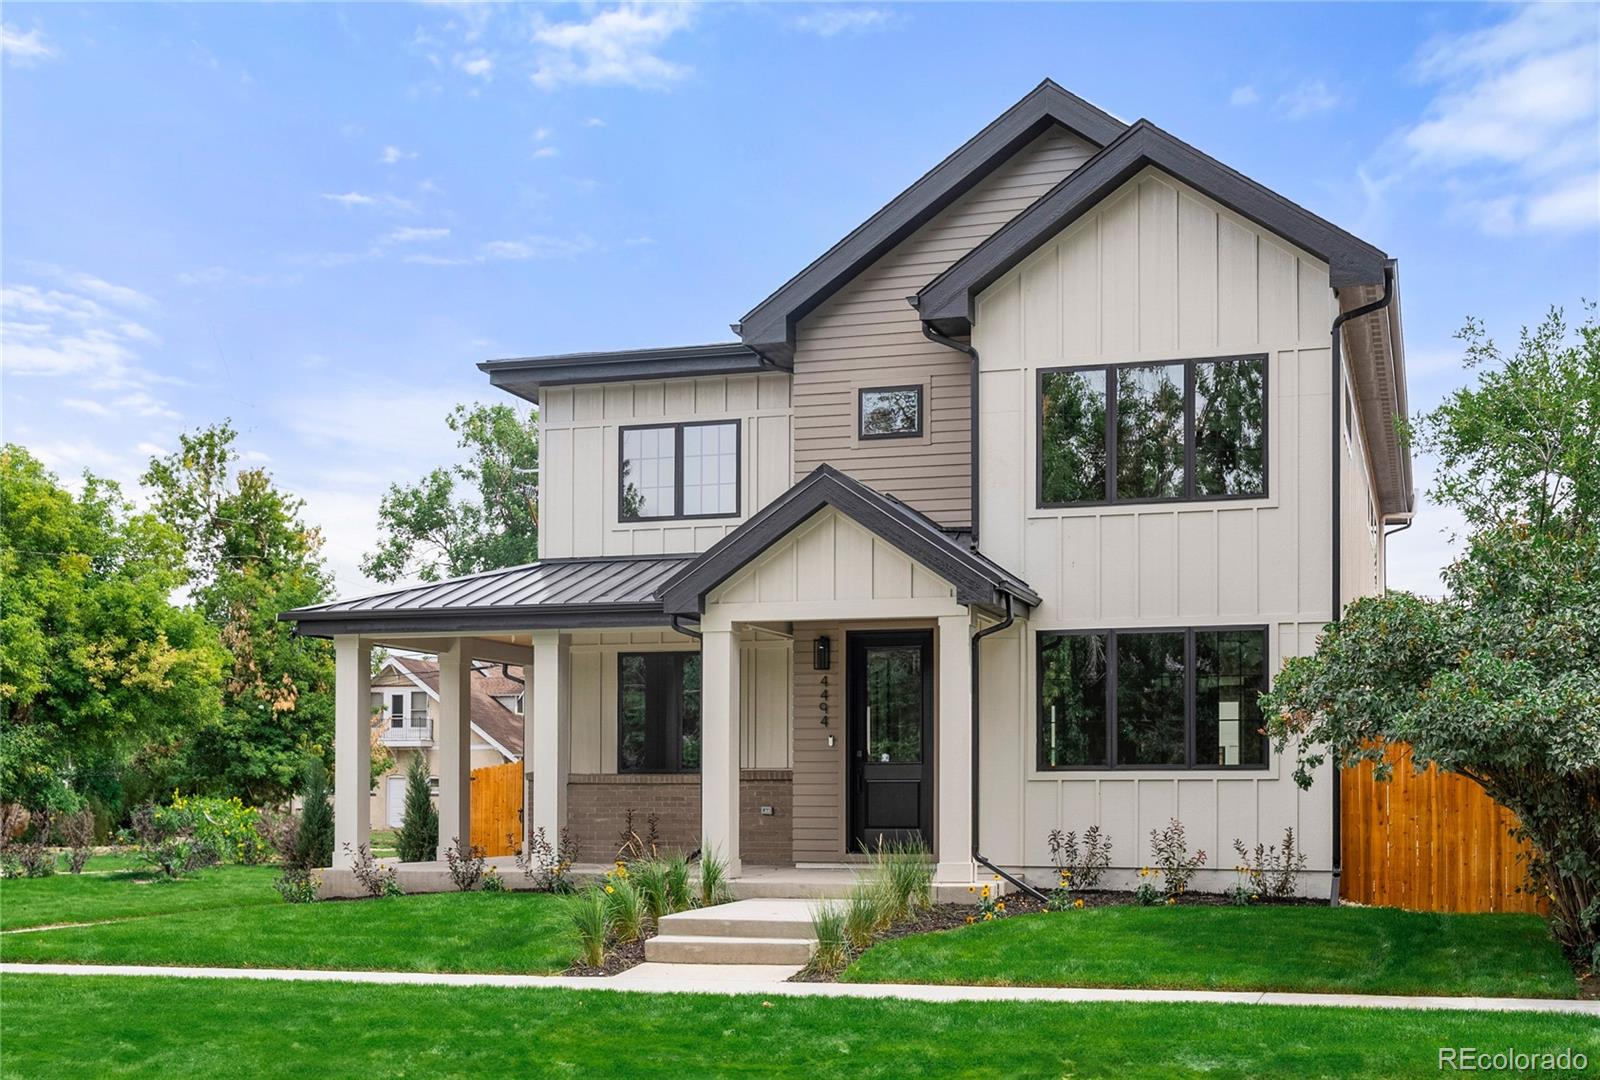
(315, 219)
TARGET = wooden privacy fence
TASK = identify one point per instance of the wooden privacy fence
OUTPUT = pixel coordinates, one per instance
(497, 808)
(1427, 841)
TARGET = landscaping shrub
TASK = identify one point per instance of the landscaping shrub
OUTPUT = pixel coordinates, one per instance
(624, 906)
(168, 841)
(77, 832)
(545, 866)
(714, 888)
(591, 918)
(315, 834)
(833, 947)
(649, 877)
(863, 913)
(227, 825)
(1171, 849)
(1146, 893)
(906, 876)
(991, 905)
(1080, 863)
(298, 886)
(375, 878)
(1272, 872)
(493, 882)
(32, 855)
(631, 846)
(679, 897)
(466, 864)
(418, 839)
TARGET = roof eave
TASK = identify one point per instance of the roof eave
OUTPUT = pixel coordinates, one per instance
(476, 620)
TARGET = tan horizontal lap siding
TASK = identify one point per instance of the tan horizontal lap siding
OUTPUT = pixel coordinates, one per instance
(867, 333)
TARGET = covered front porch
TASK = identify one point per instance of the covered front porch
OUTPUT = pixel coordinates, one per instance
(788, 700)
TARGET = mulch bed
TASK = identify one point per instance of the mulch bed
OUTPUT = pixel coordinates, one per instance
(619, 958)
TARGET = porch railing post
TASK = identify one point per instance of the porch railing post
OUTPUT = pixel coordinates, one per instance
(952, 782)
(719, 742)
(455, 745)
(546, 734)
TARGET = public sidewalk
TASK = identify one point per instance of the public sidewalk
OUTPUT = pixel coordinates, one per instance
(769, 982)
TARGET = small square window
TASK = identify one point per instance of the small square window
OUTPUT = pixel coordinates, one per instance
(889, 412)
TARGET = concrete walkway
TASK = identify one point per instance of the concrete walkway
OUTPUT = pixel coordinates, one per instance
(769, 981)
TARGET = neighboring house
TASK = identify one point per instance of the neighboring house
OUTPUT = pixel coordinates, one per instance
(993, 521)
(405, 697)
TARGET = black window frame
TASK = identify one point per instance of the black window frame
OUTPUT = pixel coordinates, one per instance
(1041, 762)
(672, 708)
(1188, 494)
(677, 470)
(922, 404)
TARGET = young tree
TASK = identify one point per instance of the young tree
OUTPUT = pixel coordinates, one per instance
(314, 840)
(250, 556)
(479, 516)
(96, 662)
(1499, 681)
(419, 830)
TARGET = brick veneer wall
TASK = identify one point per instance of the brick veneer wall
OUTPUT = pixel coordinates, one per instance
(598, 805)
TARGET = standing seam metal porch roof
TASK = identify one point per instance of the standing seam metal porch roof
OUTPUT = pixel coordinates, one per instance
(564, 593)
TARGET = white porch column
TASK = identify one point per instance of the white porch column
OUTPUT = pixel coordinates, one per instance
(547, 740)
(952, 781)
(352, 747)
(719, 742)
(453, 737)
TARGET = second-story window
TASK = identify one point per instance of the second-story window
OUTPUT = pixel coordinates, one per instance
(889, 412)
(1148, 432)
(679, 471)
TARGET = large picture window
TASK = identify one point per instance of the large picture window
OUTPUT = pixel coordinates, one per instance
(658, 712)
(679, 471)
(1171, 699)
(1148, 432)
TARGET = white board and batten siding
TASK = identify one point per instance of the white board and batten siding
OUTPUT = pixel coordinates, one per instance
(1156, 272)
(764, 680)
(580, 445)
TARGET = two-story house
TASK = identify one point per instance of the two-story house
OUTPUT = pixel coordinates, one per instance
(994, 520)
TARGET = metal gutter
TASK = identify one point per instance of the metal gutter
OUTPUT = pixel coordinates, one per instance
(951, 343)
(1335, 441)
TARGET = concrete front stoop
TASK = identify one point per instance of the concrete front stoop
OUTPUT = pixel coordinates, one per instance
(767, 931)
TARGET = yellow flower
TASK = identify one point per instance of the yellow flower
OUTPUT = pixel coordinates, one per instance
(985, 893)
(1171, 900)
(609, 889)
(1066, 875)
(987, 916)
(1001, 906)
(997, 877)
(1077, 903)
(972, 888)
(970, 920)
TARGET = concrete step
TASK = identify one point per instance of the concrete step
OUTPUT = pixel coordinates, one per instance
(786, 918)
(677, 949)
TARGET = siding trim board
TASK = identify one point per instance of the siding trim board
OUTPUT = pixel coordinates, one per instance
(525, 376)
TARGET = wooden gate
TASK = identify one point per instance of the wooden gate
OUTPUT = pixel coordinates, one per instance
(1427, 841)
(497, 808)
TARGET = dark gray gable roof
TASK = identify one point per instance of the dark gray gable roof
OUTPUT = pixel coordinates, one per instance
(769, 327)
(564, 593)
(977, 580)
(946, 302)
(524, 375)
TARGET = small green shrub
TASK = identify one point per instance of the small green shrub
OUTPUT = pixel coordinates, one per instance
(1171, 849)
(1080, 863)
(298, 886)
(863, 913)
(493, 882)
(650, 878)
(418, 839)
(77, 832)
(714, 887)
(227, 825)
(167, 841)
(466, 864)
(625, 907)
(591, 919)
(546, 866)
(833, 946)
(991, 905)
(377, 879)
(314, 838)
(679, 896)
(906, 876)
(1272, 872)
(1147, 893)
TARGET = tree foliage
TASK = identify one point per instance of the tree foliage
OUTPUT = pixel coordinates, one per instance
(418, 840)
(481, 515)
(96, 662)
(250, 555)
(1499, 681)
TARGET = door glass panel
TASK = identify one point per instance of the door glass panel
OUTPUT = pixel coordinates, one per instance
(894, 704)
(397, 710)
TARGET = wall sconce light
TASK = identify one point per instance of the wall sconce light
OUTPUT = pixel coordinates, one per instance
(822, 653)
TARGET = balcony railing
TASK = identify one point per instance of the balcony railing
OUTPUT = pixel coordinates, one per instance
(415, 731)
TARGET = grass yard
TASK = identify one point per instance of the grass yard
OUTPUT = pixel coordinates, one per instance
(207, 1028)
(1318, 949)
(124, 893)
(527, 933)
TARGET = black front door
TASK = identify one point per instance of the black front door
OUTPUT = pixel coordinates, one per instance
(890, 723)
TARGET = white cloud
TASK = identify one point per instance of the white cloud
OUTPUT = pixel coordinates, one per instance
(614, 47)
(546, 152)
(478, 66)
(221, 275)
(1510, 130)
(541, 134)
(1244, 95)
(93, 408)
(1309, 97)
(594, 121)
(405, 234)
(22, 48)
(840, 19)
(532, 247)
(393, 155)
(382, 200)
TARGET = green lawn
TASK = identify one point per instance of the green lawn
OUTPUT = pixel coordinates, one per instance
(123, 893)
(383, 843)
(209, 1028)
(514, 932)
(1354, 950)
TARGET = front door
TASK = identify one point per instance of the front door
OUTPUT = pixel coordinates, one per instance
(890, 726)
